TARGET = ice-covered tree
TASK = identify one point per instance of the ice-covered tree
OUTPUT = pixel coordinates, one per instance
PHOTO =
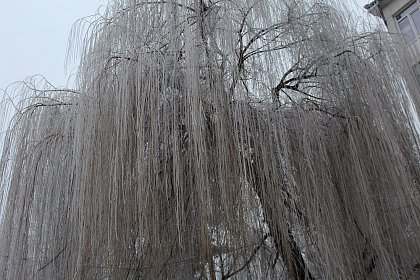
(229, 139)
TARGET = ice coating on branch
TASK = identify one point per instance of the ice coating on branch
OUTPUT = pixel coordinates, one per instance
(215, 140)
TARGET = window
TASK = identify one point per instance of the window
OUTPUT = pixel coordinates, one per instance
(409, 22)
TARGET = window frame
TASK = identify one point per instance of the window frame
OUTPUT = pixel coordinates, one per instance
(408, 16)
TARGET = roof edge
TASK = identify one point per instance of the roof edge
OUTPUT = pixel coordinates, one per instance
(375, 8)
(372, 4)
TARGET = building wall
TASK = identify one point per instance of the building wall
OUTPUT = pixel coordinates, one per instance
(409, 54)
(389, 13)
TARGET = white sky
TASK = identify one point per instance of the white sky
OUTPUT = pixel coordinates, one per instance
(34, 35)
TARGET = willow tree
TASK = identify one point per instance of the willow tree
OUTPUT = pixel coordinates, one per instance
(231, 139)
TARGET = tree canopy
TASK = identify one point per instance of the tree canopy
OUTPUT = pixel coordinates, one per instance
(229, 139)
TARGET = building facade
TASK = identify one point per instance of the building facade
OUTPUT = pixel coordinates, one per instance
(402, 18)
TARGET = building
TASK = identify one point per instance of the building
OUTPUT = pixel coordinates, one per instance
(402, 18)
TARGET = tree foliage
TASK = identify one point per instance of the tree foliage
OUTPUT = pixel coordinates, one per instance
(230, 139)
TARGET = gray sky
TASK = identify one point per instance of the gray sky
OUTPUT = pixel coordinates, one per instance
(34, 35)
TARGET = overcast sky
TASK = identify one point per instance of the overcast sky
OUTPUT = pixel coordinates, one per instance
(34, 35)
